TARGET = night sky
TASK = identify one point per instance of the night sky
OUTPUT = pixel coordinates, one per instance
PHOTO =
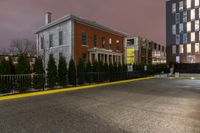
(146, 18)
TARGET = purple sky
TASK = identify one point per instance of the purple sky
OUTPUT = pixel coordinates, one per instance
(146, 18)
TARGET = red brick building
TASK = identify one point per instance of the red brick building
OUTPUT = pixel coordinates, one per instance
(78, 38)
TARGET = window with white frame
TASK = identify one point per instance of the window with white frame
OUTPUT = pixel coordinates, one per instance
(84, 38)
(177, 18)
(189, 48)
(181, 28)
(188, 4)
(193, 37)
(173, 7)
(196, 47)
(185, 16)
(181, 50)
(174, 29)
(197, 25)
(181, 5)
(174, 49)
(42, 43)
(192, 14)
(188, 26)
(185, 38)
(196, 3)
(177, 39)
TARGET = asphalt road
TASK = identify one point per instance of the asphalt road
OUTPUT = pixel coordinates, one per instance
(150, 106)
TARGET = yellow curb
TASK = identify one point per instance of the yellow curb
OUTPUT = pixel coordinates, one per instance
(17, 96)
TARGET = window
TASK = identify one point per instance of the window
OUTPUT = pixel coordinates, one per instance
(84, 38)
(173, 7)
(177, 39)
(177, 18)
(185, 16)
(197, 25)
(110, 42)
(188, 26)
(50, 40)
(174, 29)
(181, 5)
(174, 49)
(193, 14)
(189, 49)
(196, 3)
(185, 38)
(60, 38)
(103, 42)
(95, 40)
(193, 37)
(181, 28)
(196, 47)
(42, 42)
(117, 45)
(177, 59)
(84, 57)
(181, 49)
(188, 4)
(60, 55)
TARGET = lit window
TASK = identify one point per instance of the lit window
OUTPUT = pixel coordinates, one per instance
(188, 4)
(185, 38)
(192, 14)
(188, 26)
(177, 18)
(174, 49)
(181, 5)
(197, 25)
(193, 37)
(181, 27)
(196, 3)
(196, 47)
(103, 41)
(177, 39)
(185, 16)
(189, 49)
(173, 7)
(174, 29)
(110, 41)
(181, 49)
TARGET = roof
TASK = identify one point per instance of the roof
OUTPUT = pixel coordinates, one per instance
(84, 21)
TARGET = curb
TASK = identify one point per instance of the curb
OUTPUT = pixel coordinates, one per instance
(32, 94)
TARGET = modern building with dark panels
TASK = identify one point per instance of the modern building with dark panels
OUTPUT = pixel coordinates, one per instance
(182, 31)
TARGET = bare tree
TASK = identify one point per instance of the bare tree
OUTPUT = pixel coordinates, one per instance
(22, 46)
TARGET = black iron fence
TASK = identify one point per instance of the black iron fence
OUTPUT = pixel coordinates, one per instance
(21, 82)
(34, 82)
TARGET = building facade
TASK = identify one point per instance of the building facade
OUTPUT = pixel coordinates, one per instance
(145, 51)
(80, 39)
(182, 31)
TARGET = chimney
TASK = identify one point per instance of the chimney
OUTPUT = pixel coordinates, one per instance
(48, 18)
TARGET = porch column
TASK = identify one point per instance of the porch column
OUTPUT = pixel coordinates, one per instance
(96, 56)
(108, 58)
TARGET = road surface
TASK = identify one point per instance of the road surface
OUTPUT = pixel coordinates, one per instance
(149, 106)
